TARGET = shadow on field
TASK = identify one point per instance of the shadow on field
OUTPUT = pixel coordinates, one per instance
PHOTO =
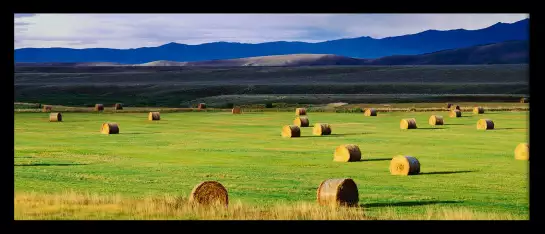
(339, 135)
(48, 164)
(443, 172)
(138, 133)
(408, 203)
(509, 128)
(427, 128)
(375, 159)
(347, 134)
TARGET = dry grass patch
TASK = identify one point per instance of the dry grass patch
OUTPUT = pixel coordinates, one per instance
(85, 206)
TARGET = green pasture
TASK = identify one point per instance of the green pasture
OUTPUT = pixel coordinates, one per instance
(461, 166)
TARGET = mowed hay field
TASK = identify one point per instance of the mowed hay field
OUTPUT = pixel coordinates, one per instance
(68, 170)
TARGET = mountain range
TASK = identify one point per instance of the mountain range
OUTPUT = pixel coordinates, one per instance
(509, 52)
(397, 50)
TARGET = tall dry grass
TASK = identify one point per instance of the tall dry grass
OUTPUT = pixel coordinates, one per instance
(79, 206)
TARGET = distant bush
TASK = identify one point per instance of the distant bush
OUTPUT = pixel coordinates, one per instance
(269, 105)
(27, 105)
(230, 105)
(349, 110)
(280, 105)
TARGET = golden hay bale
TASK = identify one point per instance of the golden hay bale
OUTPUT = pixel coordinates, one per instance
(338, 192)
(47, 108)
(454, 107)
(404, 165)
(524, 100)
(301, 121)
(236, 110)
(478, 110)
(321, 129)
(455, 114)
(209, 193)
(55, 117)
(109, 128)
(522, 151)
(408, 124)
(99, 107)
(347, 153)
(201, 106)
(370, 112)
(154, 116)
(118, 106)
(300, 111)
(291, 131)
(436, 120)
(485, 124)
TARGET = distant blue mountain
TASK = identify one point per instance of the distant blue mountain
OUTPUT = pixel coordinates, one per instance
(361, 47)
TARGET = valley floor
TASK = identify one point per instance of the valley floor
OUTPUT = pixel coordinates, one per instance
(147, 170)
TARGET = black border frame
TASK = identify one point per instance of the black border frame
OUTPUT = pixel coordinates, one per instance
(536, 72)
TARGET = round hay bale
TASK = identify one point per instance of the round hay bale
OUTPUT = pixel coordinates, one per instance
(301, 121)
(485, 124)
(455, 114)
(291, 131)
(201, 106)
(338, 192)
(209, 193)
(454, 107)
(321, 129)
(300, 111)
(478, 110)
(118, 106)
(154, 116)
(404, 165)
(370, 112)
(524, 100)
(109, 128)
(99, 107)
(47, 108)
(449, 105)
(408, 124)
(347, 153)
(236, 110)
(436, 120)
(55, 117)
(522, 151)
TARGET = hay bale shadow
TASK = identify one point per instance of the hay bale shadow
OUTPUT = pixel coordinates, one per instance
(350, 134)
(49, 164)
(375, 159)
(407, 203)
(427, 128)
(443, 172)
(339, 135)
(507, 129)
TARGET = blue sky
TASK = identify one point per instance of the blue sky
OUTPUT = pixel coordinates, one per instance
(147, 30)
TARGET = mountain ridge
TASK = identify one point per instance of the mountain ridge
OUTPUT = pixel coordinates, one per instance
(509, 52)
(360, 47)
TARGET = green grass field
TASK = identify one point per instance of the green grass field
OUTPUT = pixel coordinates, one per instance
(462, 168)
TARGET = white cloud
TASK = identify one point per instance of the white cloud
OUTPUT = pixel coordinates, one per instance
(140, 30)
